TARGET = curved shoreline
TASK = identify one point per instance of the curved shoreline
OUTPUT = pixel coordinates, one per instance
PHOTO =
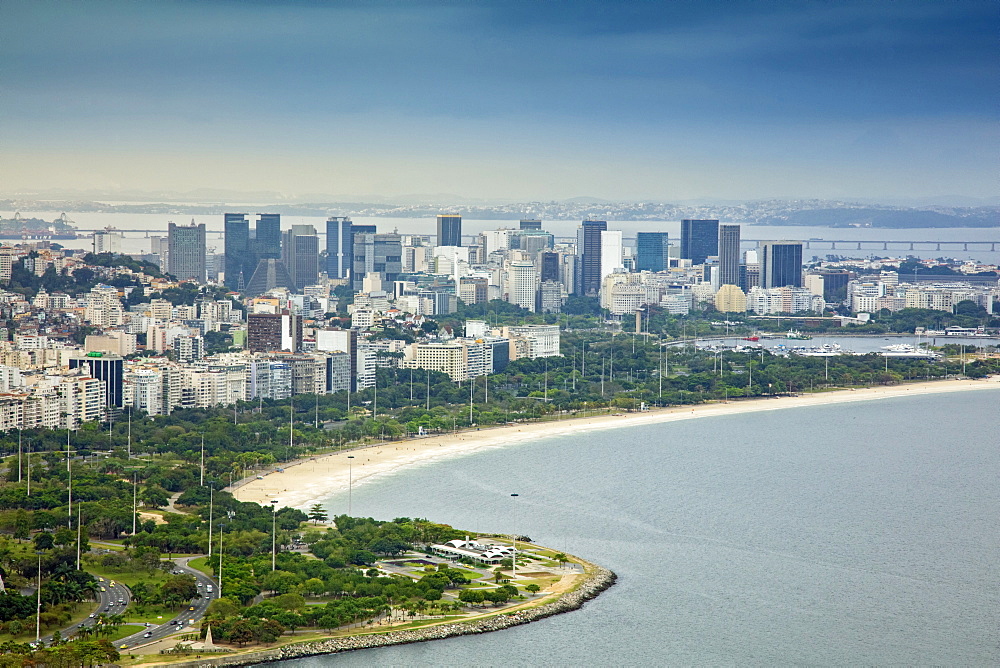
(597, 579)
(314, 480)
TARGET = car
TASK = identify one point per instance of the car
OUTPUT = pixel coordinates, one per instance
(123, 647)
(103, 589)
(100, 579)
(191, 608)
(93, 614)
(147, 634)
(121, 601)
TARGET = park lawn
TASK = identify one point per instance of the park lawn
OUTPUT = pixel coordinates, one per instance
(123, 631)
(127, 578)
(541, 582)
(106, 545)
(201, 564)
(154, 614)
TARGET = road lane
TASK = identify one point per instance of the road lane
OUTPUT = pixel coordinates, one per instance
(108, 597)
(187, 620)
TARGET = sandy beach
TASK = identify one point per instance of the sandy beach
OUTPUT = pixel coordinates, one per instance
(312, 480)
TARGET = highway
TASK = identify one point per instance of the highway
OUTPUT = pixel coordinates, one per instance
(187, 620)
(115, 599)
(111, 600)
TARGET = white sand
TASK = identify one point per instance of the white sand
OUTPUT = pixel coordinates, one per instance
(307, 482)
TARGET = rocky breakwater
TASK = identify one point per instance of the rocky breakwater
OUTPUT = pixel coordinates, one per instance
(596, 580)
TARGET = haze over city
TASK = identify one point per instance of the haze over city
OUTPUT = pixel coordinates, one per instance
(502, 101)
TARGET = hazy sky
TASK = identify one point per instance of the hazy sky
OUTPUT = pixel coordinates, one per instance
(515, 100)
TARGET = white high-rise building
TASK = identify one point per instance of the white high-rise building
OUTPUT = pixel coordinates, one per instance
(611, 252)
(522, 284)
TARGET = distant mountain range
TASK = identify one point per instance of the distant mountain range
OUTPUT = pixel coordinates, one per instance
(812, 213)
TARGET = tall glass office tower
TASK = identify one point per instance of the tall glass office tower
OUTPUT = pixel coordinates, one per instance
(699, 239)
(186, 251)
(237, 250)
(268, 242)
(651, 251)
(449, 230)
(729, 254)
(589, 246)
(780, 264)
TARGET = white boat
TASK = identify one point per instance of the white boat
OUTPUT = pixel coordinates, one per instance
(825, 350)
(905, 350)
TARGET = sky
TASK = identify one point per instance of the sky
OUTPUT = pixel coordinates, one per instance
(527, 100)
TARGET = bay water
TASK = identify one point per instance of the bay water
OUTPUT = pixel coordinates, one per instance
(865, 533)
(156, 224)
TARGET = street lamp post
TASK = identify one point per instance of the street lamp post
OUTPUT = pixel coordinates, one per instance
(350, 483)
(211, 507)
(274, 514)
(222, 528)
(38, 605)
(69, 506)
(222, 532)
(79, 531)
(134, 508)
(514, 560)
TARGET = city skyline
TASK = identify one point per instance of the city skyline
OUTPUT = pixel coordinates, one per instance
(620, 101)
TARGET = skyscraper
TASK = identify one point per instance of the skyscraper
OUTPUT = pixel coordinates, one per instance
(780, 264)
(338, 240)
(237, 249)
(380, 253)
(522, 284)
(530, 224)
(186, 251)
(110, 369)
(300, 253)
(267, 244)
(268, 332)
(550, 266)
(699, 239)
(729, 255)
(449, 230)
(652, 251)
(589, 245)
(611, 254)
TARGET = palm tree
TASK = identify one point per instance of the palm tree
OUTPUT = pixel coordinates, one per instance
(90, 587)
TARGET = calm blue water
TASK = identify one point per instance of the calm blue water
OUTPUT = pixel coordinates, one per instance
(852, 534)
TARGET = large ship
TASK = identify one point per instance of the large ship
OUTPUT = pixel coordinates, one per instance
(36, 229)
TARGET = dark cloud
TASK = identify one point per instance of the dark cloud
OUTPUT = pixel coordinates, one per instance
(678, 70)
